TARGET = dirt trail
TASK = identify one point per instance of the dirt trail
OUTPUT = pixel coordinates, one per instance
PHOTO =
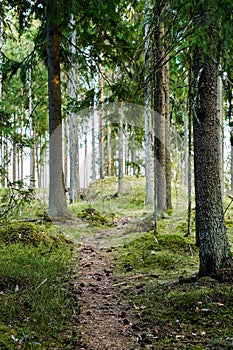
(106, 321)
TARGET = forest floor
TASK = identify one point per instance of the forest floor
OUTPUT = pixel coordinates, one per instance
(121, 311)
(103, 281)
(106, 319)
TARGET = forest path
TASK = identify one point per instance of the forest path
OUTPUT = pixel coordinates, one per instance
(105, 320)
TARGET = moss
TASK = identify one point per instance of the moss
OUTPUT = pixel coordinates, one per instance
(171, 252)
(96, 218)
(30, 233)
(24, 232)
(176, 243)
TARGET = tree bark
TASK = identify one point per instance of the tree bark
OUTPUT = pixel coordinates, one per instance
(214, 250)
(109, 149)
(159, 124)
(121, 150)
(221, 130)
(101, 121)
(148, 119)
(73, 125)
(57, 198)
(167, 138)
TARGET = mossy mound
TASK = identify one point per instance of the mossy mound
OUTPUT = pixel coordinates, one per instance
(175, 243)
(164, 252)
(29, 233)
(93, 216)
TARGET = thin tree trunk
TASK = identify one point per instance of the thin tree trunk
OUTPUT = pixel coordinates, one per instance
(101, 121)
(167, 138)
(109, 149)
(93, 159)
(32, 149)
(65, 152)
(74, 181)
(3, 143)
(121, 150)
(148, 120)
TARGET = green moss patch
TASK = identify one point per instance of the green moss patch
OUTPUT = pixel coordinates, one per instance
(163, 252)
(94, 217)
(30, 233)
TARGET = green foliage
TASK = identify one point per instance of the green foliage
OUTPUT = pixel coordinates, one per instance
(13, 199)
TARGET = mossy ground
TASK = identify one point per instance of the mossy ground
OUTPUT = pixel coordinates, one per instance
(175, 311)
(36, 265)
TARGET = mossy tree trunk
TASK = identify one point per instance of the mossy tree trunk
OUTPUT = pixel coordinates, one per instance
(211, 233)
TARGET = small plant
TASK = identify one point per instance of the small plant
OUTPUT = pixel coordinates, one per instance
(14, 198)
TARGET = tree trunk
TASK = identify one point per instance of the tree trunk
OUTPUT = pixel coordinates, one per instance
(101, 121)
(148, 120)
(214, 250)
(167, 138)
(221, 130)
(109, 149)
(32, 149)
(121, 150)
(159, 105)
(57, 198)
(149, 168)
(74, 182)
(3, 142)
(190, 114)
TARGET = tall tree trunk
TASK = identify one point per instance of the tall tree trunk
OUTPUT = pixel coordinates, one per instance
(109, 149)
(190, 114)
(214, 249)
(93, 154)
(3, 142)
(168, 171)
(101, 120)
(32, 149)
(159, 105)
(57, 197)
(149, 168)
(121, 150)
(93, 129)
(65, 147)
(148, 120)
(74, 182)
(221, 130)
(14, 153)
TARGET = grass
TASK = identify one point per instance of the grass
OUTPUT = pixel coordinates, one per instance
(36, 300)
